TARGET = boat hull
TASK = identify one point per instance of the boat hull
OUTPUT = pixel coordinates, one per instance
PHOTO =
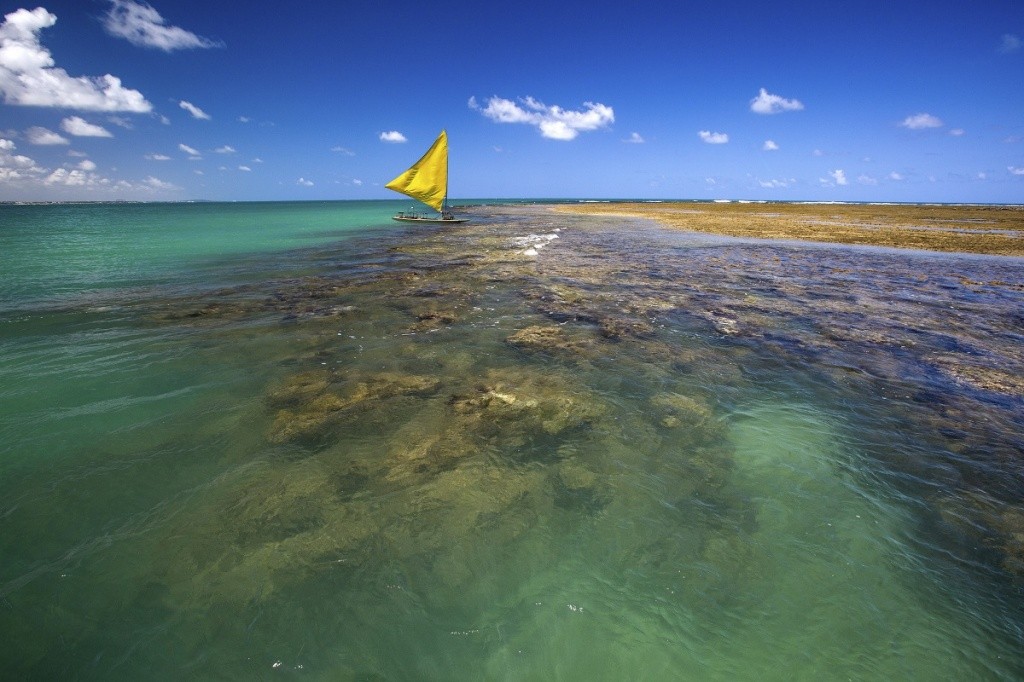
(415, 219)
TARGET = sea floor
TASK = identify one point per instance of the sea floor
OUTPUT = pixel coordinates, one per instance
(534, 446)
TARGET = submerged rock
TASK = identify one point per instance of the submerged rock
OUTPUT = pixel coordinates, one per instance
(546, 339)
(578, 488)
(678, 410)
(512, 406)
(315, 403)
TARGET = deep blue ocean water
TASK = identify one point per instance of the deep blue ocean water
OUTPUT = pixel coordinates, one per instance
(255, 440)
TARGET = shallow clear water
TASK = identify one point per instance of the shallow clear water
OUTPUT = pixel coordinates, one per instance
(291, 439)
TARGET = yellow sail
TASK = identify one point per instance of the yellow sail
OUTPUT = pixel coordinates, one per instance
(427, 179)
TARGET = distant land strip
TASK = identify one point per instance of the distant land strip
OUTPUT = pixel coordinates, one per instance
(974, 228)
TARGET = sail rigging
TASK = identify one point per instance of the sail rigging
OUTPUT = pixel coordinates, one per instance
(427, 179)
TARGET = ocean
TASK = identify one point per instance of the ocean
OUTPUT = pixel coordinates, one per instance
(302, 441)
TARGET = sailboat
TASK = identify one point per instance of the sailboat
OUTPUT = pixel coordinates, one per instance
(427, 181)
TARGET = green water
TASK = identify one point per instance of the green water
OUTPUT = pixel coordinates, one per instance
(294, 440)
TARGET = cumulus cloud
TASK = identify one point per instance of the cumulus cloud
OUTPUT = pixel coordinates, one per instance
(553, 122)
(634, 138)
(776, 184)
(770, 146)
(1015, 170)
(140, 24)
(921, 121)
(895, 176)
(866, 179)
(15, 168)
(69, 178)
(713, 138)
(29, 77)
(79, 127)
(42, 136)
(226, 149)
(158, 157)
(767, 103)
(189, 150)
(121, 122)
(245, 168)
(392, 136)
(957, 132)
(304, 182)
(156, 183)
(1009, 43)
(839, 176)
(194, 110)
(86, 165)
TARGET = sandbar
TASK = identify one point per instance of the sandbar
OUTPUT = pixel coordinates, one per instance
(973, 228)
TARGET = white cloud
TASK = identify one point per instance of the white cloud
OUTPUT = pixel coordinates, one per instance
(896, 176)
(86, 165)
(392, 136)
(226, 149)
(865, 179)
(156, 183)
(244, 119)
(257, 160)
(713, 138)
(68, 178)
(634, 138)
(245, 168)
(15, 168)
(166, 121)
(817, 152)
(1009, 43)
(29, 77)
(189, 150)
(1015, 170)
(776, 184)
(194, 110)
(769, 146)
(357, 182)
(554, 122)
(766, 103)
(982, 175)
(304, 182)
(42, 136)
(79, 127)
(77, 154)
(836, 177)
(158, 157)
(344, 151)
(121, 122)
(957, 132)
(920, 121)
(140, 24)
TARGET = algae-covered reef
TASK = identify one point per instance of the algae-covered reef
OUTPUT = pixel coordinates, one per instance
(444, 408)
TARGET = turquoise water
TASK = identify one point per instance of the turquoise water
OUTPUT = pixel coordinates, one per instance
(296, 440)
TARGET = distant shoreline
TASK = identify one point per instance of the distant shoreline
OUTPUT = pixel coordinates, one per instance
(977, 228)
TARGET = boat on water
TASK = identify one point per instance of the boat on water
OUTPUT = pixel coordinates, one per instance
(427, 181)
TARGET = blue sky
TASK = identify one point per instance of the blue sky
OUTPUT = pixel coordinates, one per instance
(825, 100)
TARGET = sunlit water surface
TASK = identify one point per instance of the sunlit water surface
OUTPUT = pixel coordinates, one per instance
(291, 440)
